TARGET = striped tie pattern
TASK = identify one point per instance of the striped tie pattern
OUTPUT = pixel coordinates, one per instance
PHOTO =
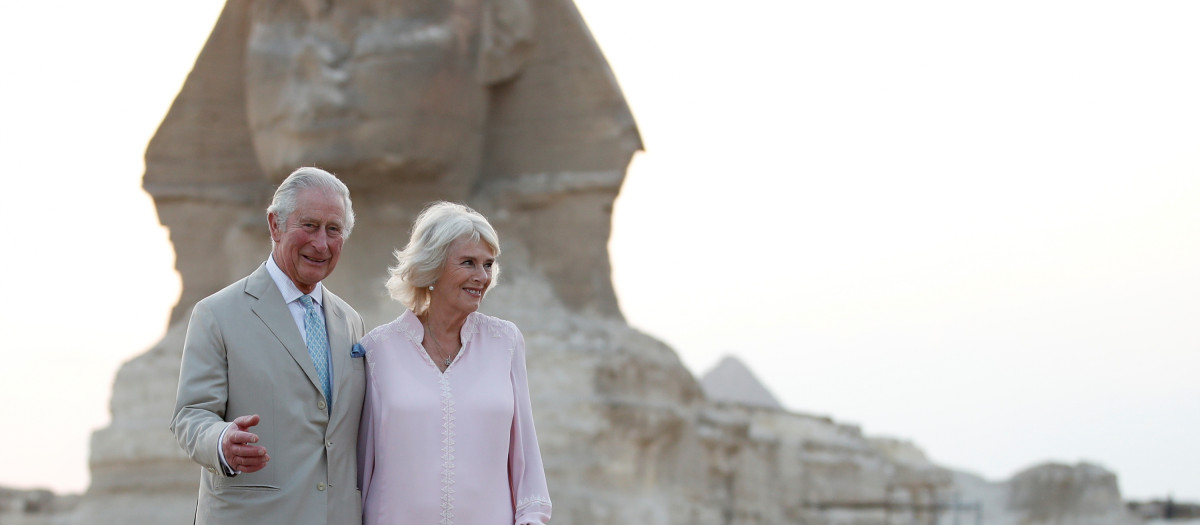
(318, 345)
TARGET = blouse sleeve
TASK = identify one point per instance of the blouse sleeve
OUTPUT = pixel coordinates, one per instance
(531, 498)
(366, 431)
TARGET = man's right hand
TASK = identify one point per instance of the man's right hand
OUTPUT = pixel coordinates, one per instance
(238, 447)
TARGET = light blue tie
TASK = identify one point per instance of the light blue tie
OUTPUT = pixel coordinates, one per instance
(318, 345)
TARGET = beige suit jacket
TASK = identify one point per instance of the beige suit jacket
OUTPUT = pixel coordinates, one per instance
(244, 355)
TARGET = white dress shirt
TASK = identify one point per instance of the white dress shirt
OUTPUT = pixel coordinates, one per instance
(291, 295)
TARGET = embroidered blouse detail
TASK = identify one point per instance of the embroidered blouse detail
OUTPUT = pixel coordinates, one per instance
(526, 502)
(447, 452)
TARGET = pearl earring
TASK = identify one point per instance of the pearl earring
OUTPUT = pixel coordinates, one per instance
(431, 287)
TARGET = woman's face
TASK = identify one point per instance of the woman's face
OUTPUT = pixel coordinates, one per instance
(466, 276)
(367, 87)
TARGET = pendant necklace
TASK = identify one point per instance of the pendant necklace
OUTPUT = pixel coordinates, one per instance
(441, 351)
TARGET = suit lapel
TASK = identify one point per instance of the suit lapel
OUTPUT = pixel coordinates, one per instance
(339, 343)
(271, 309)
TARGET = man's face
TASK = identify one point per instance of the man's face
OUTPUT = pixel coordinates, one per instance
(367, 87)
(308, 245)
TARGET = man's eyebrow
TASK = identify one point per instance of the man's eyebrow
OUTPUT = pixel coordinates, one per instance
(303, 218)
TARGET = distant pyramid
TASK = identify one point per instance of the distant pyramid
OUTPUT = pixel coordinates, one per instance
(732, 381)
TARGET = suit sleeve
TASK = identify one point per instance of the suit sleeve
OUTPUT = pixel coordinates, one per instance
(527, 478)
(203, 391)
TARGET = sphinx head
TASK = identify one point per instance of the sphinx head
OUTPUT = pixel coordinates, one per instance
(387, 90)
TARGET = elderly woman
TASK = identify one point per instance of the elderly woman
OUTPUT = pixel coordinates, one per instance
(447, 431)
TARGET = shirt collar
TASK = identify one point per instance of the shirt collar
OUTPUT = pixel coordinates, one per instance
(287, 287)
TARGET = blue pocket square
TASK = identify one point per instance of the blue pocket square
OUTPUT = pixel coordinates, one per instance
(357, 350)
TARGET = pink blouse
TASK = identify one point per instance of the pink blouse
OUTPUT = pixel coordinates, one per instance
(457, 447)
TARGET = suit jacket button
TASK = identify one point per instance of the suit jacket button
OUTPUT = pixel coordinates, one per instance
(321, 404)
(320, 486)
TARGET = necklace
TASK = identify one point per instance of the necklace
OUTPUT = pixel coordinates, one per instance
(441, 351)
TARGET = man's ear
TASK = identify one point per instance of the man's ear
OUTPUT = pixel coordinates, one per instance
(506, 41)
(276, 231)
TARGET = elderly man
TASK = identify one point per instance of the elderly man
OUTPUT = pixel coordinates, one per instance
(270, 391)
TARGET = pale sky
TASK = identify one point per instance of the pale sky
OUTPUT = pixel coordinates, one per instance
(972, 225)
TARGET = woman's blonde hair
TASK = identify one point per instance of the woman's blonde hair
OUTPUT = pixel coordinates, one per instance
(420, 262)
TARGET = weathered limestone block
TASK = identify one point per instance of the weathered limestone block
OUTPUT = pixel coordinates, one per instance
(135, 456)
(141, 403)
(1068, 495)
(1045, 494)
(786, 467)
